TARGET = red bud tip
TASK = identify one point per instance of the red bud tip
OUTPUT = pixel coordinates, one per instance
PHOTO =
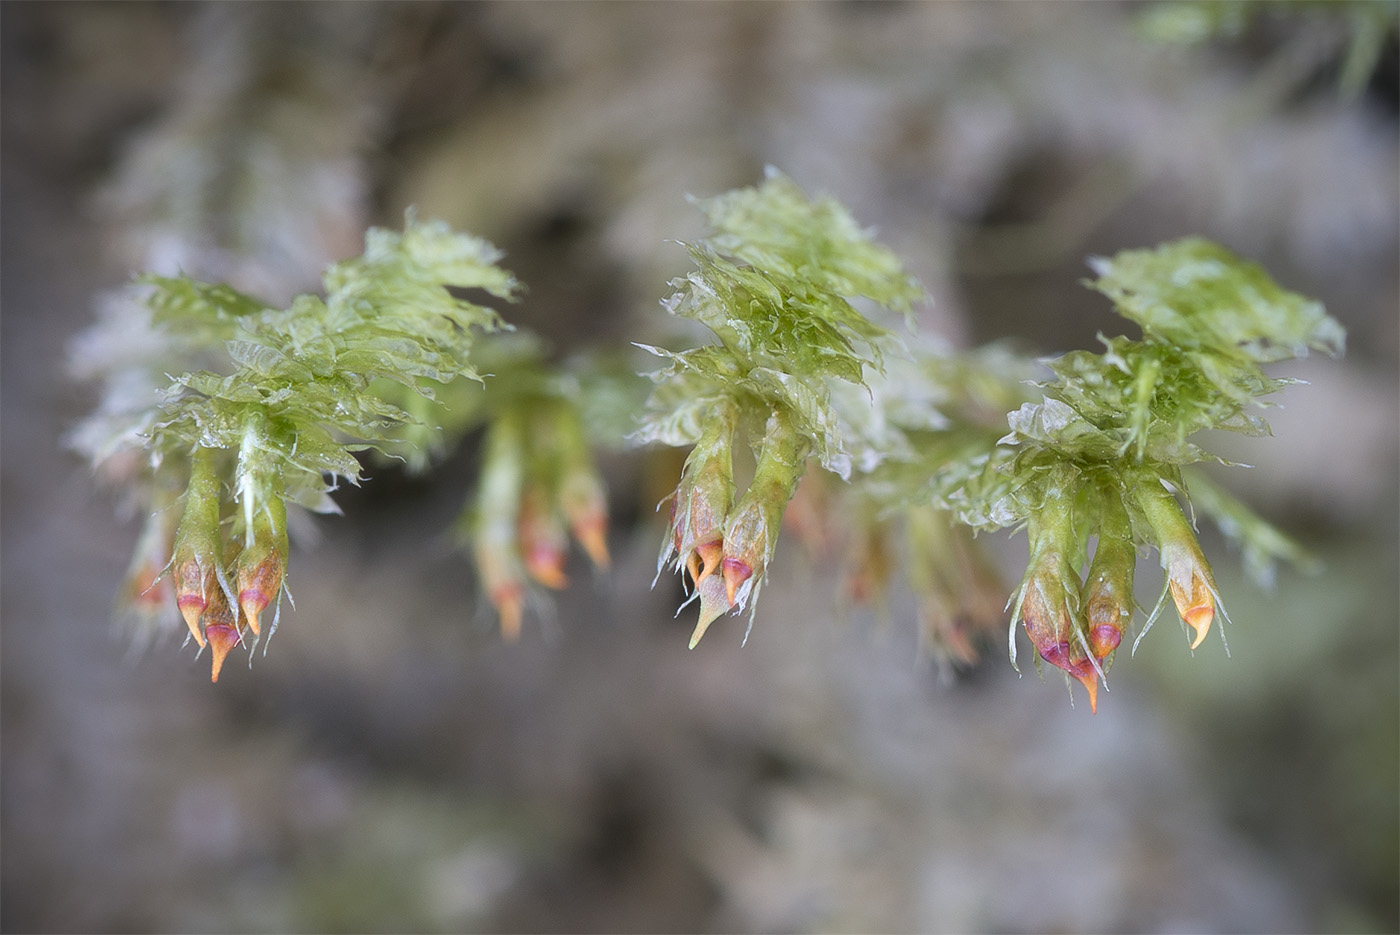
(259, 580)
(1057, 654)
(1104, 639)
(252, 601)
(736, 571)
(192, 608)
(546, 565)
(222, 638)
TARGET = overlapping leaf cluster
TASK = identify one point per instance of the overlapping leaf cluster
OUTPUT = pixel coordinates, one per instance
(776, 282)
(538, 484)
(906, 441)
(1102, 454)
(1210, 321)
(278, 406)
(303, 389)
(275, 407)
(1093, 469)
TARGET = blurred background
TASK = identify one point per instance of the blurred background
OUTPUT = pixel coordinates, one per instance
(392, 765)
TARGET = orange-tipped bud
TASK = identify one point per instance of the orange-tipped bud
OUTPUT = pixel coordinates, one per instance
(546, 566)
(222, 638)
(1191, 584)
(708, 556)
(702, 500)
(221, 631)
(253, 601)
(1104, 638)
(495, 524)
(1107, 612)
(1045, 612)
(197, 544)
(1194, 596)
(504, 583)
(696, 540)
(1071, 658)
(1189, 578)
(262, 564)
(1108, 588)
(542, 539)
(748, 535)
(582, 497)
(1089, 678)
(704, 518)
(195, 584)
(1050, 615)
(1049, 602)
(707, 535)
(735, 572)
(191, 609)
(585, 508)
(257, 586)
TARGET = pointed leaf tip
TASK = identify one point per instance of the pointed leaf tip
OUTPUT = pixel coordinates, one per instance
(1090, 680)
(713, 603)
(1199, 619)
(736, 571)
(252, 601)
(222, 638)
(192, 608)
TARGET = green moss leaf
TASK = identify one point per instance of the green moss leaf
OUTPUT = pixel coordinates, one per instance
(1194, 294)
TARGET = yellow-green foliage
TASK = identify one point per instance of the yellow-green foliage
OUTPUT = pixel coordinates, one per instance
(275, 404)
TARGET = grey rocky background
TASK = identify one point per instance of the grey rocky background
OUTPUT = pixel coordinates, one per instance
(390, 765)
